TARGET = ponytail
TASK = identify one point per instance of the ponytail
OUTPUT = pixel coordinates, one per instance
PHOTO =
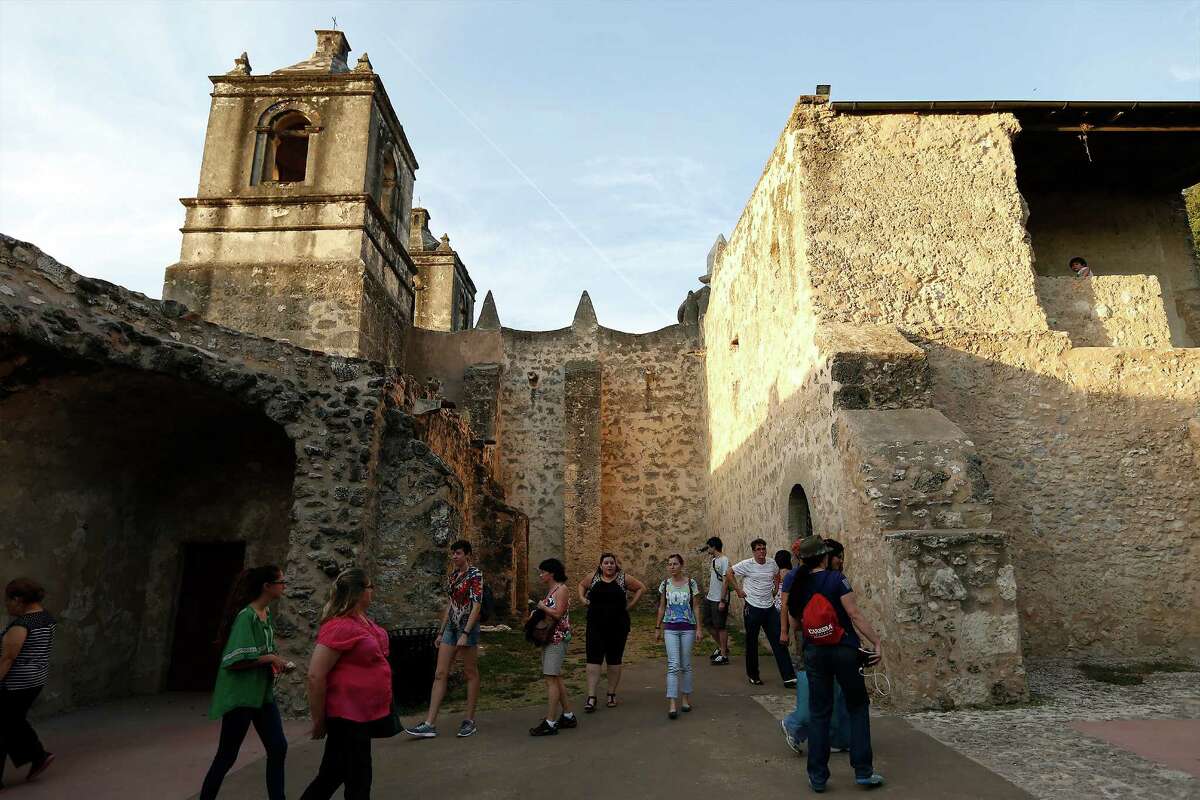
(247, 586)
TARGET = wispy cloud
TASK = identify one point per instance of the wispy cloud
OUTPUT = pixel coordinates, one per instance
(1185, 74)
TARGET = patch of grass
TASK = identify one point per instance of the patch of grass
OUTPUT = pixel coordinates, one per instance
(1131, 674)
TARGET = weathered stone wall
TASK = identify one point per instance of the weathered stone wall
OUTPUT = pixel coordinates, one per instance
(651, 440)
(330, 412)
(1119, 233)
(1106, 311)
(1095, 477)
(953, 595)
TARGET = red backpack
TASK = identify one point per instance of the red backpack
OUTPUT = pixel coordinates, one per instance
(819, 621)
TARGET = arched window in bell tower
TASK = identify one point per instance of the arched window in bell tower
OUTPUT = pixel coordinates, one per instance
(389, 189)
(287, 153)
(285, 138)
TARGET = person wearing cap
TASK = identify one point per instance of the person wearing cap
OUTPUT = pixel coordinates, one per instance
(832, 654)
(795, 724)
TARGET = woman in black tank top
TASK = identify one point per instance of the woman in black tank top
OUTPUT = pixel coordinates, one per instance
(606, 595)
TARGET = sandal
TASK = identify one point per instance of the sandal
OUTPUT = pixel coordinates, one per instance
(612, 700)
(589, 705)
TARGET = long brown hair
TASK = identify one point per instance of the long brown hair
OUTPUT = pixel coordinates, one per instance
(344, 594)
(247, 586)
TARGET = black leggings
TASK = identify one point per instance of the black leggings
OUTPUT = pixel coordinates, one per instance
(606, 639)
(17, 737)
(347, 760)
(234, 725)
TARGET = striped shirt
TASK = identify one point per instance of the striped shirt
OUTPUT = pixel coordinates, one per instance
(32, 665)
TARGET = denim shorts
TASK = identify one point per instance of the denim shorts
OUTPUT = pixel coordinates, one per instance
(451, 633)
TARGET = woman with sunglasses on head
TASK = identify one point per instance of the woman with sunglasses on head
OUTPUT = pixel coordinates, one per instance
(557, 609)
(349, 687)
(244, 694)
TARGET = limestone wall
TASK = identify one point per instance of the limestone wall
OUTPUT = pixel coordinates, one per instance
(1106, 311)
(339, 476)
(1095, 479)
(1120, 234)
(651, 440)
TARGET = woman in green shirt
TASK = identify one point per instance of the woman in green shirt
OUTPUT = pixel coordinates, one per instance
(244, 694)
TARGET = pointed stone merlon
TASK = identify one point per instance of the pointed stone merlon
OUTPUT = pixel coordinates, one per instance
(714, 255)
(585, 315)
(241, 65)
(489, 320)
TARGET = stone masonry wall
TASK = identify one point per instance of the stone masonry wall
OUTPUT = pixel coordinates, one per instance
(1095, 475)
(1106, 311)
(651, 439)
(342, 417)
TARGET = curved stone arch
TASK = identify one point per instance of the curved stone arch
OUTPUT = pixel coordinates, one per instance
(801, 473)
(265, 128)
(329, 409)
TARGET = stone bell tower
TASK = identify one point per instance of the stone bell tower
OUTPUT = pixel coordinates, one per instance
(299, 228)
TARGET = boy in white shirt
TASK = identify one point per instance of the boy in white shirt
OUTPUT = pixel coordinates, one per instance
(760, 583)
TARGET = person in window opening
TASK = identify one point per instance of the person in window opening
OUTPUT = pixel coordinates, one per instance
(716, 601)
(244, 694)
(831, 624)
(349, 687)
(679, 617)
(1080, 267)
(760, 583)
(606, 595)
(795, 724)
(24, 667)
(556, 606)
(460, 636)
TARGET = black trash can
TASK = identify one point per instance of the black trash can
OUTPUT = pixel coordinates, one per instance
(412, 655)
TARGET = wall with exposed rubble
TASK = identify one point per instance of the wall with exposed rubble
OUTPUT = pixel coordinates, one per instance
(334, 422)
(1107, 311)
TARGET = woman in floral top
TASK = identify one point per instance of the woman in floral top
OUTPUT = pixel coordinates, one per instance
(679, 615)
(460, 636)
(556, 606)
(244, 694)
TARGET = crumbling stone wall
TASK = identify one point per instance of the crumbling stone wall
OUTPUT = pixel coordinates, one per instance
(342, 419)
(1107, 311)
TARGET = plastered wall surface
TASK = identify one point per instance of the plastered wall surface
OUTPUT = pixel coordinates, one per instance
(1120, 233)
(1095, 479)
(1106, 311)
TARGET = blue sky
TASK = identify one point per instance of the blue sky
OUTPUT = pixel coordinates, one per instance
(562, 146)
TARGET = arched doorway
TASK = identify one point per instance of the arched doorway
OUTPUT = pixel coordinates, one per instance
(135, 497)
(799, 516)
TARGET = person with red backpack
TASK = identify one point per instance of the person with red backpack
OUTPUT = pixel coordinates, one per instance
(831, 623)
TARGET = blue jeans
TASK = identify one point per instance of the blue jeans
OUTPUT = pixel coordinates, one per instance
(797, 721)
(767, 620)
(824, 666)
(234, 725)
(679, 661)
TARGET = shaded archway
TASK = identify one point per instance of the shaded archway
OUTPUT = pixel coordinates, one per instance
(799, 515)
(111, 476)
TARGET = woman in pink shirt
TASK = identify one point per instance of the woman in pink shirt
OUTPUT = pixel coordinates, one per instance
(349, 686)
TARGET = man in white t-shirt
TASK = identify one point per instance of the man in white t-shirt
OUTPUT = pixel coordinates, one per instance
(760, 583)
(716, 602)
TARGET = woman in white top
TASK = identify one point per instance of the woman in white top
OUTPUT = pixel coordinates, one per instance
(679, 617)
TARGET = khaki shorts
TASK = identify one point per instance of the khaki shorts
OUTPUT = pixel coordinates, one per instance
(552, 658)
(712, 616)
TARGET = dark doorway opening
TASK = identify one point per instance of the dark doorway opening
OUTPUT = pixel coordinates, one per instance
(799, 517)
(209, 569)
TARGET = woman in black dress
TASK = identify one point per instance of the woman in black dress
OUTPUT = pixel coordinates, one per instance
(606, 593)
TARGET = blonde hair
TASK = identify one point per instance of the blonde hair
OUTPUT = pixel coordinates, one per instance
(344, 594)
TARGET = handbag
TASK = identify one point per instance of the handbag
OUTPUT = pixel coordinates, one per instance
(539, 628)
(386, 727)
